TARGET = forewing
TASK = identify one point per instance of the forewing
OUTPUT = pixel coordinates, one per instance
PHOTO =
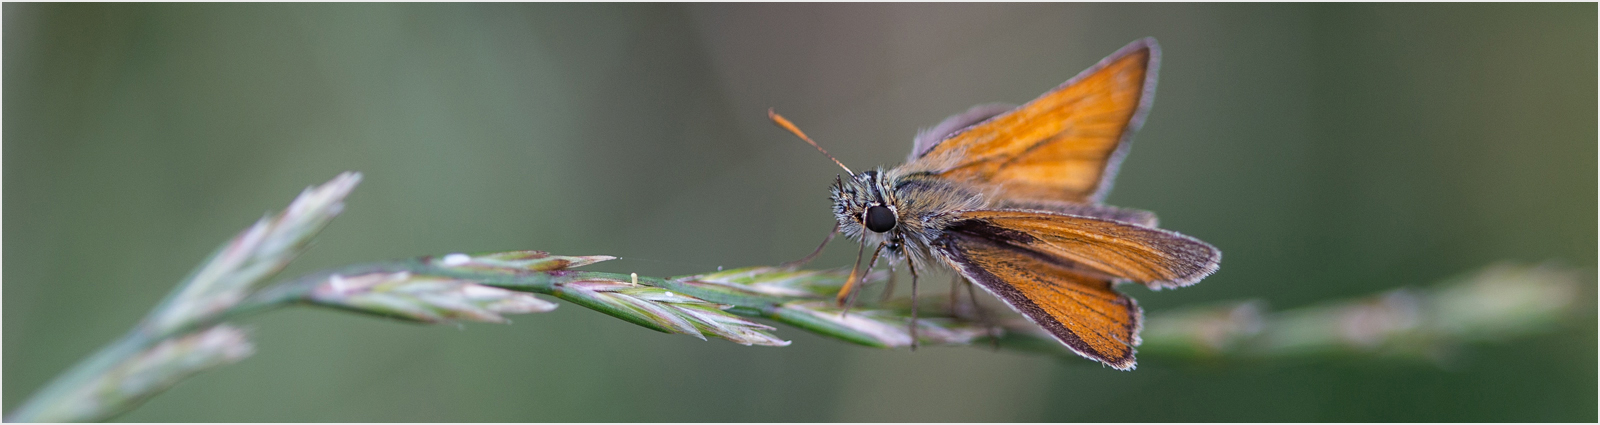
(1065, 145)
(1155, 257)
(1126, 215)
(1081, 311)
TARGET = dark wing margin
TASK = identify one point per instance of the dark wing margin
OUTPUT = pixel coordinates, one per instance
(1147, 97)
(1080, 310)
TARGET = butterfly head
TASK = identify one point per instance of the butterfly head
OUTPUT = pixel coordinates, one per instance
(864, 207)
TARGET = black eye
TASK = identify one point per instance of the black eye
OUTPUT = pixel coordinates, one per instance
(879, 219)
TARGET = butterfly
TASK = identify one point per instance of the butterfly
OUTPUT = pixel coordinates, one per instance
(1009, 198)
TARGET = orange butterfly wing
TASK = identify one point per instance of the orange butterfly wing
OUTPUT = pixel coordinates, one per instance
(1065, 145)
(1081, 311)
(1155, 257)
(1058, 270)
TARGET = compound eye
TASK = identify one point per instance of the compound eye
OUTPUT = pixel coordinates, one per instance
(879, 219)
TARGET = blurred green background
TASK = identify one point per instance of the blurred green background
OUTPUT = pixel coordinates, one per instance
(1330, 150)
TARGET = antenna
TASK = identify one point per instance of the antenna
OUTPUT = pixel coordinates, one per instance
(784, 122)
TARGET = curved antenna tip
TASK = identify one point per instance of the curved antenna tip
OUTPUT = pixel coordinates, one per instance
(786, 125)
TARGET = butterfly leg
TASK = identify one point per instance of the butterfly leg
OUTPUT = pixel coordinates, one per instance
(912, 267)
(814, 254)
(888, 286)
(955, 296)
(983, 316)
(850, 283)
(870, 265)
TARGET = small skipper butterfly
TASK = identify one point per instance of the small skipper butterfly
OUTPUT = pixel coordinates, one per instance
(1010, 199)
